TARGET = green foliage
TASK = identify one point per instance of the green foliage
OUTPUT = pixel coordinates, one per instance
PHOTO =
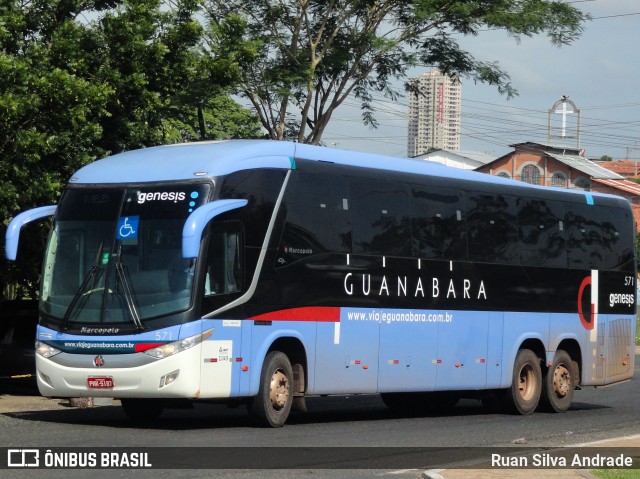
(314, 54)
(49, 115)
(73, 90)
(615, 473)
(237, 122)
(80, 79)
(605, 158)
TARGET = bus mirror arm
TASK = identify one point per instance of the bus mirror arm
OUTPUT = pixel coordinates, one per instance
(12, 236)
(198, 220)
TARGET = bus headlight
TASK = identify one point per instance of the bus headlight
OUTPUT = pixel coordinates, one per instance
(45, 350)
(176, 347)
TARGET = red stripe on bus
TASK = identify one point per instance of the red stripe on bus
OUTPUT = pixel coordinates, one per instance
(324, 314)
(141, 347)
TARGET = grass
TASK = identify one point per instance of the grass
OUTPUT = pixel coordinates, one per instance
(615, 473)
(638, 330)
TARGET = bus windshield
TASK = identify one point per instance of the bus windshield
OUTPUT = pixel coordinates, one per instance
(115, 255)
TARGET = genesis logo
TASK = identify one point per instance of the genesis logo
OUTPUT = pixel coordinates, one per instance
(174, 196)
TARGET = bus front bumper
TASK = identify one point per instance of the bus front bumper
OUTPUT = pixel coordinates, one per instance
(171, 377)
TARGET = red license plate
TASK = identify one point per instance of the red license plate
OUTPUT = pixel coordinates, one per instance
(100, 383)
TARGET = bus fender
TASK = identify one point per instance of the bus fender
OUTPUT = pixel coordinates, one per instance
(553, 345)
(261, 353)
(509, 359)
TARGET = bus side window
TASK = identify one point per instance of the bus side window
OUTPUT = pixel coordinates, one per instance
(491, 228)
(438, 223)
(617, 237)
(223, 274)
(541, 234)
(317, 217)
(381, 217)
(584, 237)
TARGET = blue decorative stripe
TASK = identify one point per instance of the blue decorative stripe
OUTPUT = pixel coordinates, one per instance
(589, 198)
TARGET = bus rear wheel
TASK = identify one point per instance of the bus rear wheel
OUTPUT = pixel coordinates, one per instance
(524, 394)
(142, 409)
(272, 405)
(558, 384)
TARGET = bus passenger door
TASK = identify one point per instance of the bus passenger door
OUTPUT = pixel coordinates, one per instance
(223, 282)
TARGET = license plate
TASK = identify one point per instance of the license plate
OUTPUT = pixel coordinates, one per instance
(100, 383)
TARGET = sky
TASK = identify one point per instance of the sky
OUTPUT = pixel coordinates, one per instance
(599, 72)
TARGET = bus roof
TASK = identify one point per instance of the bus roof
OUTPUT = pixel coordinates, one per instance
(189, 161)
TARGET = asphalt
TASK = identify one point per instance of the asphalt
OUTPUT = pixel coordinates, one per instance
(18, 396)
(484, 470)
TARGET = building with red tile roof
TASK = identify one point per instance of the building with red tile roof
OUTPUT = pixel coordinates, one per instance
(563, 167)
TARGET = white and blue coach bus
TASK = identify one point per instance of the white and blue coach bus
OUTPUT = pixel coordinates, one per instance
(264, 272)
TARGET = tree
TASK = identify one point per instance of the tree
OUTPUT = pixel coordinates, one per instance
(219, 118)
(49, 114)
(314, 54)
(73, 90)
(605, 158)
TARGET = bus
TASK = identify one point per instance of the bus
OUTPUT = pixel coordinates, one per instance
(262, 272)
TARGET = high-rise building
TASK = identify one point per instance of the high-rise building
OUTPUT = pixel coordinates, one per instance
(434, 115)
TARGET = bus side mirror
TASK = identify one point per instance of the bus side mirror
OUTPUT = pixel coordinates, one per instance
(198, 220)
(12, 238)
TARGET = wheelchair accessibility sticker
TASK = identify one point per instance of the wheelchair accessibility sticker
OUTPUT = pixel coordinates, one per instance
(128, 227)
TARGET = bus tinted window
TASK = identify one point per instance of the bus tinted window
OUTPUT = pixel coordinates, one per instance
(317, 216)
(223, 274)
(617, 238)
(380, 213)
(491, 228)
(584, 236)
(438, 223)
(541, 233)
(261, 188)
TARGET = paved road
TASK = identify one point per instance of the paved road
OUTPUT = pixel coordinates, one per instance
(341, 422)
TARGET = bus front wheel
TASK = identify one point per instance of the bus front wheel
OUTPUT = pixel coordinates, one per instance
(272, 405)
(558, 384)
(524, 394)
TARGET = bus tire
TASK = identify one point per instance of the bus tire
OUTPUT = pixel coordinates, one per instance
(558, 384)
(273, 402)
(524, 394)
(142, 409)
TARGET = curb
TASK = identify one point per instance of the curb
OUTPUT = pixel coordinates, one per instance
(433, 474)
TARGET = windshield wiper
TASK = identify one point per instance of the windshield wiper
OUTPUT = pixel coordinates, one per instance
(66, 319)
(123, 276)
